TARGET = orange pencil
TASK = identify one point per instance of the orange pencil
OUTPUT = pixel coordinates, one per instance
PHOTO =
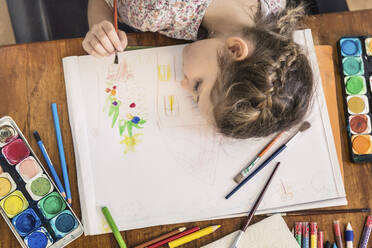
(162, 237)
(240, 177)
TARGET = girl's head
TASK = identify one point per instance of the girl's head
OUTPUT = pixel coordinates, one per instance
(252, 84)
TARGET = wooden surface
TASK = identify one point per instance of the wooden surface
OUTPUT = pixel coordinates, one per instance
(31, 78)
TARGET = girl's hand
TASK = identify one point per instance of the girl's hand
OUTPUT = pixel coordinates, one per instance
(102, 40)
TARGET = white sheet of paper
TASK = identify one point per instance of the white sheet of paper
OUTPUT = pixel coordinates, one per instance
(173, 168)
(271, 232)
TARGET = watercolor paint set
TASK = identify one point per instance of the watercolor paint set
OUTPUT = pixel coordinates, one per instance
(355, 56)
(30, 202)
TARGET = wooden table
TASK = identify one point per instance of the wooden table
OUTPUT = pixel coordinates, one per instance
(31, 78)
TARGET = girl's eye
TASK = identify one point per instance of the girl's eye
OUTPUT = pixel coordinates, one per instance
(197, 85)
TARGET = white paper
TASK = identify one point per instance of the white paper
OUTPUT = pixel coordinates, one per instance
(271, 232)
(181, 170)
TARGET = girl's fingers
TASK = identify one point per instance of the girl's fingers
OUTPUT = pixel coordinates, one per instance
(89, 49)
(123, 39)
(112, 35)
(98, 48)
(101, 36)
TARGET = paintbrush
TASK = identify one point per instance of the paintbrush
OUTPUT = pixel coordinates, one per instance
(305, 125)
(116, 61)
(254, 208)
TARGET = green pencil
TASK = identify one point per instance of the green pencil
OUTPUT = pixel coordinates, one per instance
(113, 227)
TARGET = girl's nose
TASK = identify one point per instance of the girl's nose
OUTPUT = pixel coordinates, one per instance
(185, 85)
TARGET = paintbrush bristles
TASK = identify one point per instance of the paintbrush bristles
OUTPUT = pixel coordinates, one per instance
(116, 61)
(305, 125)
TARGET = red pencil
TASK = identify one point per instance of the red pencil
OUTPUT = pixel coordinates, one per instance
(160, 243)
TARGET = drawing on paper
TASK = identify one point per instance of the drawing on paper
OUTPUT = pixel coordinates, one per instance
(286, 193)
(171, 105)
(124, 112)
(164, 73)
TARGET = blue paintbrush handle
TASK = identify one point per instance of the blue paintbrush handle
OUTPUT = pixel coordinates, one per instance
(51, 167)
(268, 160)
(61, 151)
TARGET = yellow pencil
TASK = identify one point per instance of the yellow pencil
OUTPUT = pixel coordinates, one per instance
(193, 236)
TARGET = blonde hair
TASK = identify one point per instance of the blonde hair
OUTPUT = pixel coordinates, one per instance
(268, 91)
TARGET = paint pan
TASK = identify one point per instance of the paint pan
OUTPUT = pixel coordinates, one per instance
(26, 222)
(357, 104)
(14, 203)
(15, 151)
(368, 43)
(360, 124)
(28, 197)
(355, 85)
(51, 205)
(362, 144)
(29, 169)
(7, 134)
(353, 66)
(350, 47)
(63, 223)
(7, 185)
(39, 187)
(40, 238)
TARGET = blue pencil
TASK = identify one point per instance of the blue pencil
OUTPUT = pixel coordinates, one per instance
(61, 152)
(303, 127)
(49, 162)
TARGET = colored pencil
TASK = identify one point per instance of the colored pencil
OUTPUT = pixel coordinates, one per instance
(113, 227)
(116, 61)
(254, 208)
(337, 232)
(305, 125)
(244, 173)
(298, 232)
(49, 163)
(161, 237)
(366, 232)
(313, 234)
(177, 236)
(349, 236)
(193, 236)
(305, 235)
(320, 212)
(61, 152)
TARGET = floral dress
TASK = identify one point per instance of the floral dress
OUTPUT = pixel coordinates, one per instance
(178, 19)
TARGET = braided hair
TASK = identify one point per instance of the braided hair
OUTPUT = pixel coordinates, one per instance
(270, 90)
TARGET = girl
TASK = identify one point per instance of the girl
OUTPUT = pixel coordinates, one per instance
(249, 78)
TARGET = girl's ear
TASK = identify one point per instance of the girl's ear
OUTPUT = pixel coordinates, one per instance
(237, 47)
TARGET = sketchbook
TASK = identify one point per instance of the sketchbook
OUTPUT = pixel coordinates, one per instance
(143, 149)
(256, 236)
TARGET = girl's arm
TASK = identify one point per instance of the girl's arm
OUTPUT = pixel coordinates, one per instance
(102, 39)
(98, 11)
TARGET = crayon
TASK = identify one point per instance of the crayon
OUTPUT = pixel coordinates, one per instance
(334, 245)
(366, 232)
(337, 232)
(114, 228)
(298, 232)
(313, 234)
(349, 236)
(305, 235)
